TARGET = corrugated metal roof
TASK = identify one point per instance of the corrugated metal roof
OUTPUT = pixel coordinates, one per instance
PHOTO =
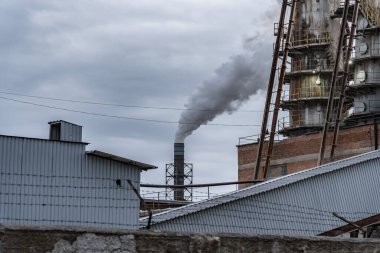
(309, 187)
(41, 139)
(142, 166)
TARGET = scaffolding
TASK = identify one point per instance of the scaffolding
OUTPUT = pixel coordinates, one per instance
(188, 180)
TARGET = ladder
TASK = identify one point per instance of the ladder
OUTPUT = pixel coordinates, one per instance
(330, 103)
(344, 82)
(272, 90)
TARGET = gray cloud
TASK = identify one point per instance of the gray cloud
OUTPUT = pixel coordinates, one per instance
(152, 53)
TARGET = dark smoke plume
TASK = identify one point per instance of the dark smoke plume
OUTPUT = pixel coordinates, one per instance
(230, 86)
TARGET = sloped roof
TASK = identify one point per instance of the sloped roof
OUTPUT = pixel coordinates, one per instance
(141, 166)
(317, 182)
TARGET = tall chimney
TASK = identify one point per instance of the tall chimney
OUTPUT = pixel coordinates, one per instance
(179, 169)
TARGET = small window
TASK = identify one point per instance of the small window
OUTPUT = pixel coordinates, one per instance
(277, 171)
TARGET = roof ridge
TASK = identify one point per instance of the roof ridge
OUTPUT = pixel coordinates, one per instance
(244, 193)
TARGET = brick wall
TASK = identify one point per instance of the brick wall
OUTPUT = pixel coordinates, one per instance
(301, 152)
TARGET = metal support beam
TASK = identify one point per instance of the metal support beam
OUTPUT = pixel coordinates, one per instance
(150, 213)
(345, 79)
(201, 185)
(376, 133)
(349, 222)
(279, 87)
(276, 53)
(330, 102)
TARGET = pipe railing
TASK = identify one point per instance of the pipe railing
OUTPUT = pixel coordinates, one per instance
(315, 92)
(288, 123)
(252, 139)
(316, 64)
(308, 37)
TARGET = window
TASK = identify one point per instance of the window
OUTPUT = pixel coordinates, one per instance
(277, 171)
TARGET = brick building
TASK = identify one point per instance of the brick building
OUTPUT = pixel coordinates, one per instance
(301, 152)
(313, 59)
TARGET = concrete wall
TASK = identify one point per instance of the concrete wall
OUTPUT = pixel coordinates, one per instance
(52, 240)
(301, 152)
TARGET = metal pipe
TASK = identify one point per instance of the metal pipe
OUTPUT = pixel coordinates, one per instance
(134, 189)
(200, 185)
(333, 84)
(345, 79)
(279, 87)
(264, 122)
(179, 170)
(347, 221)
(376, 133)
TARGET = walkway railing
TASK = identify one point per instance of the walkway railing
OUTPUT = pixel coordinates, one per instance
(312, 64)
(306, 93)
(289, 123)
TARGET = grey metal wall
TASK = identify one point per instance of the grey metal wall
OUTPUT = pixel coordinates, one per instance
(302, 207)
(116, 205)
(70, 132)
(56, 183)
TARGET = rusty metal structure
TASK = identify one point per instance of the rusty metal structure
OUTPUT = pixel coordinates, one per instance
(337, 70)
(281, 80)
(345, 78)
(313, 47)
(310, 44)
(279, 38)
(359, 84)
(329, 76)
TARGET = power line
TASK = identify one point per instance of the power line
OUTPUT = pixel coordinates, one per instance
(122, 117)
(120, 105)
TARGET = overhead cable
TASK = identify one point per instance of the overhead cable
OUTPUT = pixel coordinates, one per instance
(122, 117)
(118, 105)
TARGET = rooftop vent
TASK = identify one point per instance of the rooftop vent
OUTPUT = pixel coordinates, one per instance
(65, 131)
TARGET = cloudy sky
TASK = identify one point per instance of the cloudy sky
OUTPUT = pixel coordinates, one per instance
(211, 54)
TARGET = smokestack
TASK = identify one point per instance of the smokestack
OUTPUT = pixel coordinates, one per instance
(179, 170)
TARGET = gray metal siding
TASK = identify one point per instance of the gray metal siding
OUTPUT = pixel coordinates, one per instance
(118, 206)
(295, 207)
(70, 132)
(10, 179)
(56, 183)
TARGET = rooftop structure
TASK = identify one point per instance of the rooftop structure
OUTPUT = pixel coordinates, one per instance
(56, 181)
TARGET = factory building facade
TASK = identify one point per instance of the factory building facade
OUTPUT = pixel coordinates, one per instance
(56, 181)
(301, 152)
(312, 50)
(302, 203)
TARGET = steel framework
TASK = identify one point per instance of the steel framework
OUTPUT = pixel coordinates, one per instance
(169, 180)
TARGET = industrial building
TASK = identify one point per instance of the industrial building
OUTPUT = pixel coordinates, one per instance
(302, 203)
(56, 181)
(328, 86)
